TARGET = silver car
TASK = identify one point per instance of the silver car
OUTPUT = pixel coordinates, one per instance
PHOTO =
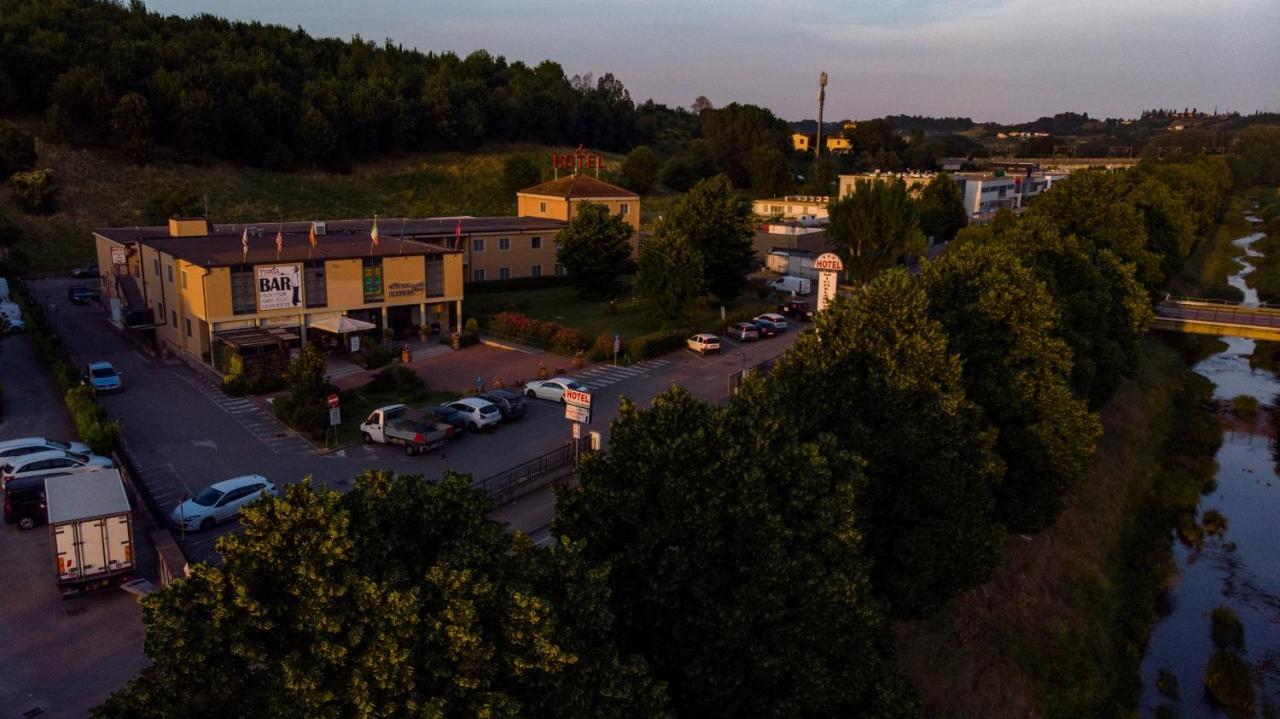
(220, 502)
(50, 463)
(32, 445)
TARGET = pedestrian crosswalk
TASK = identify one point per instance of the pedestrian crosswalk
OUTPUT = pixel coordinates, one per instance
(254, 419)
(605, 375)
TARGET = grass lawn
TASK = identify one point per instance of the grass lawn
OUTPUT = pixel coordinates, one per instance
(1205, 272)
(562, 305)
(358, 403)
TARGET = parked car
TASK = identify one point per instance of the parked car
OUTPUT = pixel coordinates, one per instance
(553, 389)
(32, 445)
(398, 424)
(776, 321)
(799, 309)
(791, 285)
(101, 377)
(85, 271)
(13, 321)
(48, 463)
(24, 503)
(449, 416)
(744, 332)
(220, 502)
(703, 343)
(480, 413)
(510, 404)
(81, 295)
(764, 329)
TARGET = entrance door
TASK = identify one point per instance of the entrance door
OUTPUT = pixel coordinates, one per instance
(400, 320)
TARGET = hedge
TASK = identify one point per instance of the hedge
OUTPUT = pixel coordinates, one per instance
(656, 344)
(91, 421)
(515, 284)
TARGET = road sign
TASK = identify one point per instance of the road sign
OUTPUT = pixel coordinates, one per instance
(577, 398)
(577, 431)
(617, 343)
(335, 416)
(577, 414)
(829, 266)
(829, 262)
(333, 400)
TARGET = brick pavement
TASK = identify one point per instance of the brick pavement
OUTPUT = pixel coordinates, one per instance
(457, 371)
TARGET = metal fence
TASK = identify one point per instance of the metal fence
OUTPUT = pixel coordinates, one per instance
(509, 484)
(764, 369)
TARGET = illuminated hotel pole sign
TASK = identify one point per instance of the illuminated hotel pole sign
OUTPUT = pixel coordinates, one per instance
(829, 268)
(576, 161)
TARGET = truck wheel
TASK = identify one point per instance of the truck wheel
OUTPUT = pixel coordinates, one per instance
(26, 523)
(207, 524)
(410, 450)
(366, 438)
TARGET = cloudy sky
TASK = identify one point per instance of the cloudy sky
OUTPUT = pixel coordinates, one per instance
(1004, 60)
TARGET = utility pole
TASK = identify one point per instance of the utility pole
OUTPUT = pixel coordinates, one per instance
(822, 100)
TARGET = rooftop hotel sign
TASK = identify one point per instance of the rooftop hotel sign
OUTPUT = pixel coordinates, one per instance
(279, 287)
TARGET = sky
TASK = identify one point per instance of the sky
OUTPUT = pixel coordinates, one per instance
(998, 60)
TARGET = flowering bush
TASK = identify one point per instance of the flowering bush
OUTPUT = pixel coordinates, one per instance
(552, 335)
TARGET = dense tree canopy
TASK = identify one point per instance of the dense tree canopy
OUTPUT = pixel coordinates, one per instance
(873, 227)
(595, 249)
(716, 221)
(736, 561)
(669, 275)
(734, 131)
(941, 208)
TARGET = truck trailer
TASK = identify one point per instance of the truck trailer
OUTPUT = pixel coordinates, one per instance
(91, 530)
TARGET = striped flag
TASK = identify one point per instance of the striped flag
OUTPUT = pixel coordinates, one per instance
(279, 242)
(311, 235)
(373, 234)
(244, 242)
(457, 235)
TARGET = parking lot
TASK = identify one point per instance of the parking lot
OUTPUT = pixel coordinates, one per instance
(184, 433)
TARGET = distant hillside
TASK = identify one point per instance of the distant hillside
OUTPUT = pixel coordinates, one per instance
(98, 188)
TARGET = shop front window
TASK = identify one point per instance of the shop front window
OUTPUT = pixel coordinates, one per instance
(372, 267)
(244, 301)
(316, 284)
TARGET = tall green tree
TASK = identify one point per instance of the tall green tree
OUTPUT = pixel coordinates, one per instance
(734, 131)
(595, 249)
(717, 222)
(17, 150)
(941, 208)
(131, 123)
(640, 169)
(770, 171)
(520, 171)
(669, 275)
(823, 177)
(399, 598)
(736, 566)
(873, 227)
(892, 392)
(1003, 322)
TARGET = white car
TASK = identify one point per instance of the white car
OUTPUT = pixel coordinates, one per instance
(32, 445)
(51, 463)
(703, 343)
(774, 320)
(479, 413)
(220, 502)
(553, 389)
(12, 314)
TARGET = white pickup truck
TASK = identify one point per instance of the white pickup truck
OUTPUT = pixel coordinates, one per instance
(398, 424)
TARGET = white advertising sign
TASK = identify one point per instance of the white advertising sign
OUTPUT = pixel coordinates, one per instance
(119, 255)
(279, 287)
(577, 414)
(828, 266)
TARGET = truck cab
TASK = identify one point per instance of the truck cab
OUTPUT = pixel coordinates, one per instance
(374, 428)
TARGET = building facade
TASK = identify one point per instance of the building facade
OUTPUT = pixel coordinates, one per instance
(793, 207)
(559, 199)
(915, 181)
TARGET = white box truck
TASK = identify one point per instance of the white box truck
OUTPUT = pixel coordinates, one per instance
(90, 525)
(798, 286)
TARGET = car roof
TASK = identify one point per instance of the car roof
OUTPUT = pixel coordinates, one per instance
(473, 402)
(22, 442)
(561, 380)
(772, 316)
(503, 393)
(38, 456)
(100, 364)
(227, 485)
(706, 336)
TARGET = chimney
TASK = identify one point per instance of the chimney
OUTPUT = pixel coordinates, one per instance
(188, 227)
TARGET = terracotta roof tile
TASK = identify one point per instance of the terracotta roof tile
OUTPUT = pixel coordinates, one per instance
(578, 187)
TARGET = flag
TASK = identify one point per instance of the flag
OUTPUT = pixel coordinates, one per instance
(244, 242)
(373, 234)
(457, 236)
(311, 235)
(279, 243)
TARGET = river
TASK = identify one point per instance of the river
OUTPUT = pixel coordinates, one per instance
(1240, 569)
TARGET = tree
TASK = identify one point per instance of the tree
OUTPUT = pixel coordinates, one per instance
(640, 169)
(717, 223)
(17, 150)
(131, 123)
(1002, 321)
(304, 406)
(316, 141)
(36, 191)
(171, 201)
(700, 104)
(1170, 229)
(874, 227)
(669, 274)
(770, 171)
(595, 248)
(732, 132)
(892, 393)
(520, 172)
(692, 164)
(941, 209)
(400, 598)
(823, 178)
(747, 595)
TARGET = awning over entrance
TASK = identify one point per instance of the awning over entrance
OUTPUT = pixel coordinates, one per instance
(251, 338)
(343, 325)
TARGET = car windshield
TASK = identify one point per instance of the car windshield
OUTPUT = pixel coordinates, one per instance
(81, 458)
(208, 497)
(56, 443)
(103, 372)
(575, 385)
(488, 410)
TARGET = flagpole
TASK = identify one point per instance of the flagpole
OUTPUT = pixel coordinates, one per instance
(403, 220)
(373, 234)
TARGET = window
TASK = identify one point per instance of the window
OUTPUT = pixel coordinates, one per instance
(315, 284)
(174, 314)
(435, 277)
(504, 273)
(372, 274)
(537, 271)
(170, 273)
(244, 300)
(535, 243)
(188, 326)
(183, 276)
(542, 207)
(624, 209)
(477, 245)
(156, 265)
(504, 244)
(477, 275)
(559, 269)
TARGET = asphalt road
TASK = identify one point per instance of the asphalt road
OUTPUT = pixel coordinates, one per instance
(184, 434)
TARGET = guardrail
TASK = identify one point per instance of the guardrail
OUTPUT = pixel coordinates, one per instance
(507, 485)
(1197, 311)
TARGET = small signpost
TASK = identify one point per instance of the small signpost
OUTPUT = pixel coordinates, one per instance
(829, 267)
(335, 419)
(577, 409)
(617, 345)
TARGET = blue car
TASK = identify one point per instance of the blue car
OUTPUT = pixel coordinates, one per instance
(102, 377)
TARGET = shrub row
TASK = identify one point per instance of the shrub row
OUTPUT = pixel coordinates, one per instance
(515, 284)
(656, 344)
(239, 385)
(95, 430)
(551, 335)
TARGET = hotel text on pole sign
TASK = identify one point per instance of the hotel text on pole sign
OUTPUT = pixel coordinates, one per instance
(828, 266)
(577, 398)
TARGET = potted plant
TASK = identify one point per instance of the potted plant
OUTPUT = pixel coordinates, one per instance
(424, 332)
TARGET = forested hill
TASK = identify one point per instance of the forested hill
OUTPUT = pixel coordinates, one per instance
(270, 96)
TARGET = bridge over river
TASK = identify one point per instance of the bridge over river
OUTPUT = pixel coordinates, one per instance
(1219, 318)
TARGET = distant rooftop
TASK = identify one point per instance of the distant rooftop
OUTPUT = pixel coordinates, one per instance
(579, 186)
